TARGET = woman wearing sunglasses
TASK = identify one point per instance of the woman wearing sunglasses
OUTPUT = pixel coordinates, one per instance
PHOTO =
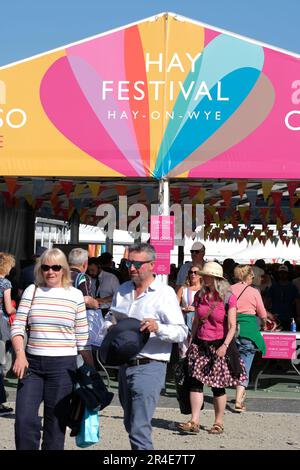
(53, 312)
(186, 294)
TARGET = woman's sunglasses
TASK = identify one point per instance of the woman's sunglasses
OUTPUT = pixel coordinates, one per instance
(54, 267)
(194, 272)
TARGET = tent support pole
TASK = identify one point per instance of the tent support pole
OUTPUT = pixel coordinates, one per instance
(164, 209)
(74, 227)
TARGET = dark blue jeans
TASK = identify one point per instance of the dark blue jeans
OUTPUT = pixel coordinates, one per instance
(48, 380)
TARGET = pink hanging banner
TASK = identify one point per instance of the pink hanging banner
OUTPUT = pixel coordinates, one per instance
(162, 232)
(280, 345)
(162, 238)
(162, 264)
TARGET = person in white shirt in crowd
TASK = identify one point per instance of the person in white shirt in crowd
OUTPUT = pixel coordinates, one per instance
(142, 378)
(197, 254)
(104, 284)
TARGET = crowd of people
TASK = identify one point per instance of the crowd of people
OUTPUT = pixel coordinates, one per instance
(214, 313)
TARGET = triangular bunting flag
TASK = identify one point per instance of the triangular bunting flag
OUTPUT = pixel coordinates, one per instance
(94, 188)
(12, 184)
(78, 189)
(67, 187)
(292, 186)
(276, 196)
(241, 184)
(266, 188)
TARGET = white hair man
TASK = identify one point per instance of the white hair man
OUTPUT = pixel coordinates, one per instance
(78, 261)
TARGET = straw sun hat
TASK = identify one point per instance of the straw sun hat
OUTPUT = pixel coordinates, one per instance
(212, 269)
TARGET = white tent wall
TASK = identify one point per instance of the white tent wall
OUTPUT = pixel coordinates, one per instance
(244, 252)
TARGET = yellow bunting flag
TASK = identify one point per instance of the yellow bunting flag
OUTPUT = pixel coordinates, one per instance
(78, 189)
(94, 188)
(266, 188)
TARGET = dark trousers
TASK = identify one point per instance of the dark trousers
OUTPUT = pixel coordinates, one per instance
(49, 380)
(2, 391)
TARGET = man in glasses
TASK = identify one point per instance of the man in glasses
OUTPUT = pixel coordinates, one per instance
(197, 254)
(141, 379)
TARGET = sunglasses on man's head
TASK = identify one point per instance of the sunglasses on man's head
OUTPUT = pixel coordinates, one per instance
(136, 264)
(54, 267)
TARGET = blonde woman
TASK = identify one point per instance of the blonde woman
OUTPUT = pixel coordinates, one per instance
(186, 294)
(213, 358)
(249, 306)
(55, 314)
(7, 262)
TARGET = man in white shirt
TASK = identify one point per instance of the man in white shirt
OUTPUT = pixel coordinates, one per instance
(197, 254)
(156, 306)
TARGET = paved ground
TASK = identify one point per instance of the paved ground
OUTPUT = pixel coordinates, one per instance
(272, 421)
(251, 430)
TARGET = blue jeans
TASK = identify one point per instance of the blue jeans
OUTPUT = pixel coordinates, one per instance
(189, 317)
(247, 350)
(49, 380)
(139, 392)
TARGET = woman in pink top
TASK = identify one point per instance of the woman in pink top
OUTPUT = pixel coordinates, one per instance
(250, 340)
(213, 358)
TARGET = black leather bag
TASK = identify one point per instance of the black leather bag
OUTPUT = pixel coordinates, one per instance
(181, 384)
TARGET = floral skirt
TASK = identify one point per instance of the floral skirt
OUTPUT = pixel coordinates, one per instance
(212, 370)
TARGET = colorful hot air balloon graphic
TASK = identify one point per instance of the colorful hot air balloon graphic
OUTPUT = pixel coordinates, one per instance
(163, 98)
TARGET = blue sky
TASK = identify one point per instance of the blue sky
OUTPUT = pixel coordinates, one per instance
(29, 27)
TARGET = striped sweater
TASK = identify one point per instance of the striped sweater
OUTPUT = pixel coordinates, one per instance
(56, 318)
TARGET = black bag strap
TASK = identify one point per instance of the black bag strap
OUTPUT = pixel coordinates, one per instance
(241, 293)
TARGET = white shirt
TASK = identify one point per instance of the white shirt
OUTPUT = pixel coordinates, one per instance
(108, 286)
(158, 301)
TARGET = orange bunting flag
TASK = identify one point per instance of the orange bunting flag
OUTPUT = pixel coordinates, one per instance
(12, 185)
(121, 189)
(241, 187)
(55, 190)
